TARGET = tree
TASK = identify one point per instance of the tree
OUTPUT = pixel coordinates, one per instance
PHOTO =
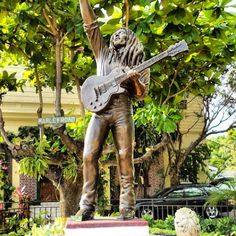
(223, 150)
(198, 75)
(48, 37)
(45, 37)
(218, 114)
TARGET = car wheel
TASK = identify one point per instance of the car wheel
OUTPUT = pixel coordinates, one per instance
(146, 211)
(212, 212)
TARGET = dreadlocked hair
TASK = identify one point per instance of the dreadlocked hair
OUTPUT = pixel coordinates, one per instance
(132, 54)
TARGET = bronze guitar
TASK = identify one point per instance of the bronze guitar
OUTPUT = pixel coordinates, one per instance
(97, 91)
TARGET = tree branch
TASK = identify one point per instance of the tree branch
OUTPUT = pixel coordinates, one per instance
(149, 151)
(51, 24)
(73, 146)
(179, 92)
(47, 30)
(81, 105)
(58, 78)
(40, 108)
(127, 14)
(10, 145)
(108, 149)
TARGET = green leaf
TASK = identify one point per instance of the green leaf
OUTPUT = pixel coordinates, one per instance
(110, 10)
(94, 2)
(168, 126)
(135, 14)
(111, 26)
(189, 58)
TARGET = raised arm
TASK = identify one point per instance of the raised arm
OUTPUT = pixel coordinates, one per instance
(87, 12)
(91, 28)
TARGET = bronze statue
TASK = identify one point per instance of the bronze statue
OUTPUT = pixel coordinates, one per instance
(124, 53)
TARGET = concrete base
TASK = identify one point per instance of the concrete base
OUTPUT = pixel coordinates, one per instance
(107, 227)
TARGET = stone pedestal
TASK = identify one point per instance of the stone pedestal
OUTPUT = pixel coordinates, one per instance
(107, 227)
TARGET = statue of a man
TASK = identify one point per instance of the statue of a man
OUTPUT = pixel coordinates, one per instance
(124, 51)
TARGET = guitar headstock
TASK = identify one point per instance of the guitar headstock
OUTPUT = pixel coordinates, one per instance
(177, 48)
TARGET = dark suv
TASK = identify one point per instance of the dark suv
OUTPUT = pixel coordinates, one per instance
(169, 200)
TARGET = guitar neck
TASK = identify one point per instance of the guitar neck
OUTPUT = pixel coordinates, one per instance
(151, 61)
(143, 66)
(171, 51)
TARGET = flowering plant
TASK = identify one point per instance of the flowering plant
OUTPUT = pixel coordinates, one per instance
(24, 201)
(23, 196)
(1, 205)
(6, 187)
(3, 166)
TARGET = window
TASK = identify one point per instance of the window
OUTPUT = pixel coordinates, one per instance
(178, 193)
(193, 192)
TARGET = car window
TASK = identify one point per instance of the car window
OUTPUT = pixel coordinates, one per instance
(231, 185)
(193, 192)
(178, 193)
(161, 193)
(210, 189)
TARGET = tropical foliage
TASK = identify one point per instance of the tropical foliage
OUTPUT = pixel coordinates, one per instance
(223, 151)
(47, 37)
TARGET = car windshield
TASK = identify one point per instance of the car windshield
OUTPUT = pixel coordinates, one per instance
(160, 193)
(193, 192)
(177, 193)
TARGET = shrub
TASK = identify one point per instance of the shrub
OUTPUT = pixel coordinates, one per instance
(161, 226)
(17, 228)
(221, 226)
(169, 221)
(224, 225)
(162, 231)
(208, 225)
(56, 229)
(150, 220)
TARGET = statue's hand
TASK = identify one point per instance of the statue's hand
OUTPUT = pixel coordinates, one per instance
(138, 85)
(133, 75)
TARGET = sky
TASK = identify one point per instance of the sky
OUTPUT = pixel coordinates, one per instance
(231, 8)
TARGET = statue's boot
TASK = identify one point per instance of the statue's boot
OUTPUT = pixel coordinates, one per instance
(85, 214)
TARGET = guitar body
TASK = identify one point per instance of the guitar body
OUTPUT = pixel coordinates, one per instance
(96, 91)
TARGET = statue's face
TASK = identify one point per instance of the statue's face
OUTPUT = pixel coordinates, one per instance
(119, 38)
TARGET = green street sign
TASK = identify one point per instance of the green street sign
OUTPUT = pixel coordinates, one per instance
(56, 120)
